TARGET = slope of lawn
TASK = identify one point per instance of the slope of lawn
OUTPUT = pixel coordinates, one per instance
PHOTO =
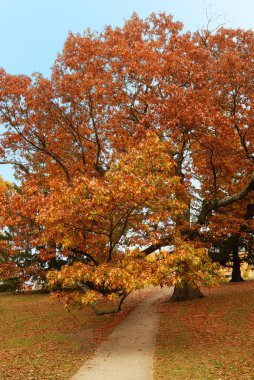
(39, 339)
(209, 338)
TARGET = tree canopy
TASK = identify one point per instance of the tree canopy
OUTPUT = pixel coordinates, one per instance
(141, 140)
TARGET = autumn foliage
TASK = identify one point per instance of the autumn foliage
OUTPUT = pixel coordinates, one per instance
(132, 160)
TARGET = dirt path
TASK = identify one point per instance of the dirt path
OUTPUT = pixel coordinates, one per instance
(128, 352)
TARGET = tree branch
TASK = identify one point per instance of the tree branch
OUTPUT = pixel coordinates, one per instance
(214, 204)
(85, 288)
(87, 255)
(22, 167)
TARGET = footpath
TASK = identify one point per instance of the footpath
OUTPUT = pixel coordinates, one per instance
(128, 352)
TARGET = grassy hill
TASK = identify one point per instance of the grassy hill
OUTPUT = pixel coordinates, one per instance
(39, 339)
(210, 338)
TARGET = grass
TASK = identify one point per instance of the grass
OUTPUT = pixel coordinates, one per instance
(210, 338)
(206, 339)
(39, 339)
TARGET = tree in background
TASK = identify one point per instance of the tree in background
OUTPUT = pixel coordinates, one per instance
(232, 243)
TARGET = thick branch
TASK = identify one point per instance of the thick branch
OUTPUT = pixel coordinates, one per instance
(214, 204)
(85, 288)
(153, 247)
(85, 255)
(207, 207)
(111, 311)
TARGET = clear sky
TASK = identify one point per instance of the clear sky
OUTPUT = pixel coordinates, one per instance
(32, 32)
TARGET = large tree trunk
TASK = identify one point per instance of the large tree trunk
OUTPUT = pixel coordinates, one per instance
(185, 293)
(236, 272)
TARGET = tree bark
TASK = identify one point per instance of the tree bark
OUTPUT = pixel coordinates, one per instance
(185, 293)
(236, 271)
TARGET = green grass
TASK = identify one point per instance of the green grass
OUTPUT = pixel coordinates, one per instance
(210, 338)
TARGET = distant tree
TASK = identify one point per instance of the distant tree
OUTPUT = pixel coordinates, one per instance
(232, 245)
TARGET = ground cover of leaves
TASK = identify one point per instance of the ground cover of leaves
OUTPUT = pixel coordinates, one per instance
(208, 339)
(39, 339)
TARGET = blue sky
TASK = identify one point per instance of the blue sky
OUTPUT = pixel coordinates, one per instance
(32, 32)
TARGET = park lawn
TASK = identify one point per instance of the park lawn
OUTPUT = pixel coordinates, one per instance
(208, 339)
(39, 339)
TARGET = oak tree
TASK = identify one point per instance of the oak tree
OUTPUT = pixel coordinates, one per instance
(140, 139)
